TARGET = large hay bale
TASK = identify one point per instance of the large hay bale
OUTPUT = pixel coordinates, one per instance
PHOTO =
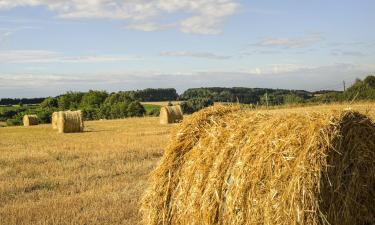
(227, 165)
(54, 119)
(30, 120)
(171, 114)
(70, 122)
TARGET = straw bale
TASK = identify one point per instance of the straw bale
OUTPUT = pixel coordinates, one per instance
(54, 120)
(30, 120)
(171, 114)
(227, 165)
(70, 122)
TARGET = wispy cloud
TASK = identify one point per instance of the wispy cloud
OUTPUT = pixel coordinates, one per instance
(259, 52)
(356, 44)
(4, 35)
(339, 52)
(6, 32)
(298, 42)
(289, 76)
(206, 16)
(268, 12)
(206, 55)
(149, 26)
(43, 56)
(275, 69)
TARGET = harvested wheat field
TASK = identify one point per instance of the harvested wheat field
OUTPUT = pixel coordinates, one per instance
(230, 165)
(94, 177)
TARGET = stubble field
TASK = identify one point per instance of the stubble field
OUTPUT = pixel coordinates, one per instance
(95, 177)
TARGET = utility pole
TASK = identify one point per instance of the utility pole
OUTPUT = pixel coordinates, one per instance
(343, 82)
(267, 99)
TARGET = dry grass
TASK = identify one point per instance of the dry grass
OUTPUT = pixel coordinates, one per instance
(95, 177)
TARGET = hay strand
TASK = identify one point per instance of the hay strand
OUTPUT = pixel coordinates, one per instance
(30, 120)
(227, 165)
(171, 114)
(70, 122)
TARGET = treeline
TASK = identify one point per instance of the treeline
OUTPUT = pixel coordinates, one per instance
(195, 99)
(360, 90)
(20, 101)
(246, 95)
(103, 105)
(146, 95)
(94, 105)
(154, 95)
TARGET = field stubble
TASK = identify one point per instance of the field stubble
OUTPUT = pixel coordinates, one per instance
(95, 177)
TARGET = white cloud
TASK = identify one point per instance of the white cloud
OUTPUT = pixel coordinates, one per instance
(204, 16)
(21, 56)
(274, 69)
(149, 27)
(43, 56)
(194, 55)
(299, 42)
(21, 82)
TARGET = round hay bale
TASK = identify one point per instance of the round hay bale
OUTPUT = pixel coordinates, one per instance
(54, 119)
(171, 114)
(227, 165)
(30, 120)
(70, 122)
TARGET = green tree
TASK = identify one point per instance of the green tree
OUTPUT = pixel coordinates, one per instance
(151, 95)
(94, 99)
(292, 99)
(70, 100)
(370, 81)
(91, 113)
(114, 98)
(195, 104)
(360, 90)
(49, 102)
(44, 114)
(271, 99)
(135, 109)
(119, 110)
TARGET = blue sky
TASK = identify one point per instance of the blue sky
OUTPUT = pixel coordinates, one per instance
(49, 47)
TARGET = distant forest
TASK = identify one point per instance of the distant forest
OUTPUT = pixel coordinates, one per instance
(104, 105)
(20, 101)
(216, 94)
